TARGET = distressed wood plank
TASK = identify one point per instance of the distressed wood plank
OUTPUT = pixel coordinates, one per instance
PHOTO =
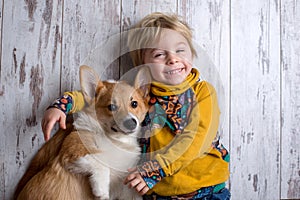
(2, 142)
(255, 99)
(290, 66)
(30, 65)
(211, 39)
(87, 25)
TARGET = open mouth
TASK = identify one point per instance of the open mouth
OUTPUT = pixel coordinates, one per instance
(175, 71)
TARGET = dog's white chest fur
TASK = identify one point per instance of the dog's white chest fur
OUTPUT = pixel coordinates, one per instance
(108, 168)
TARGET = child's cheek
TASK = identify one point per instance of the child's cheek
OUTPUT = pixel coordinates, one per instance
(152, 72)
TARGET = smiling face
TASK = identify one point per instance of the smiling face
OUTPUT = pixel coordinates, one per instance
(170, 61)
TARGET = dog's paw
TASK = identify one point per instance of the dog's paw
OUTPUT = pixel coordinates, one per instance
(99, 185)
(101, 198)
(101, 195)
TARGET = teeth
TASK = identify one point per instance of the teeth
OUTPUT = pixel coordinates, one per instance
(174, 71)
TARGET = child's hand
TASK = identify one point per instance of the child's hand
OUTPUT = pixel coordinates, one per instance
(135, 180)
(51, 116)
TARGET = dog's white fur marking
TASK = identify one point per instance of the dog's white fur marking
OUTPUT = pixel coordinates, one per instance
(108, 168)
(98, 174)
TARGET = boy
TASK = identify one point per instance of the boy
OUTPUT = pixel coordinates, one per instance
(184, 159)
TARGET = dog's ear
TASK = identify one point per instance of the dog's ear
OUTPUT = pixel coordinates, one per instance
(90, 83)
(143, 80)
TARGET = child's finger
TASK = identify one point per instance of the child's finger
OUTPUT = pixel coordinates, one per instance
(46, 137)
(144, 190)
(62, 122)
(128, 179)
(43, 124)
(47, 130)
(134, 183)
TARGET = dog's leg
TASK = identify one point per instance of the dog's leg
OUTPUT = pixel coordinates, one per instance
(99, 174)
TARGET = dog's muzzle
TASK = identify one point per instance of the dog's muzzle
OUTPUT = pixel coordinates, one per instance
(130, 124)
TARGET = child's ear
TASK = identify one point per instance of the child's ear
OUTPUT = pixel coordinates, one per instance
(90, 83)
(143, 80)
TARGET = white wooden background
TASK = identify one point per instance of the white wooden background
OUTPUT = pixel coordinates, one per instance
(255, 46)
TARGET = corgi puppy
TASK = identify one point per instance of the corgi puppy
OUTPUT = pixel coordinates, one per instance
(89, 160)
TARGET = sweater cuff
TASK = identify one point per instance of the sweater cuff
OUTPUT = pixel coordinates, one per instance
(151, 172)
(64, 103)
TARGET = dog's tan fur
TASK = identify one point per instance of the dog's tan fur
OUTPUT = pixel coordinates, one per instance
(66, 167)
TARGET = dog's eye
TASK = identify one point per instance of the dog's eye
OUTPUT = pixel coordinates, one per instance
(112, 107)
(134, 104)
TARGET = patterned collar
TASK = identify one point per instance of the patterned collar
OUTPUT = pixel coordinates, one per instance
(171, 105)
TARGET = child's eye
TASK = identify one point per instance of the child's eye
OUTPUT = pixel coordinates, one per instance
(179, 50)
(158, 55)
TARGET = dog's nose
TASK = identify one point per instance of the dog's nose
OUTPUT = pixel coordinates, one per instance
(130, 124)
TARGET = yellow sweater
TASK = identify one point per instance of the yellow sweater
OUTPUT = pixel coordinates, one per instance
(188, 160)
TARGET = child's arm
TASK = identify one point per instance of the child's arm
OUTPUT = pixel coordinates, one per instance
(70, 102)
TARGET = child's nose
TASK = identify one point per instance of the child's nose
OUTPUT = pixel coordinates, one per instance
(172, 59)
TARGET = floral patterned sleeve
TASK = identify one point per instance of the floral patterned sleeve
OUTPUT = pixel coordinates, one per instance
(70, 102)
(64, 103)
(151, 172)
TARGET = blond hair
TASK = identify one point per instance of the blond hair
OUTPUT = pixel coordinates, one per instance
(148, 30)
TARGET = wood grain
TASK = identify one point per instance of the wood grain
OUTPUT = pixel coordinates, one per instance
(29, 73)
(255, 99)
(290, 69)
(87, 25)
(2, 104)
(253, 46)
